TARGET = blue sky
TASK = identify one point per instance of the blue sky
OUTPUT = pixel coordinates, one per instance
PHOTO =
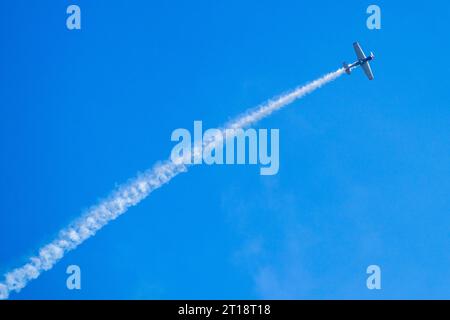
(364, 166)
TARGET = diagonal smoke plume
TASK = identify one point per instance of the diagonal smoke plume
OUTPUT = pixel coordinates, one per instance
(133, 192)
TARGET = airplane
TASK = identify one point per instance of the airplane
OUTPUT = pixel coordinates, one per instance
(363, 61)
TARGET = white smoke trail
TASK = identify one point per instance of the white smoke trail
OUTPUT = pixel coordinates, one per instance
(132, 193)
(266, 109)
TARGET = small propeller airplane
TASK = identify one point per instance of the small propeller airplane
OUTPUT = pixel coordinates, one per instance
(363, 61)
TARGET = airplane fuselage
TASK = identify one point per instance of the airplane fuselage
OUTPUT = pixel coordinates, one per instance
(360, 62)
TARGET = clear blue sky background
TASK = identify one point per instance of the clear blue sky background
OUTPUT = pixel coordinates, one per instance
(364, 166)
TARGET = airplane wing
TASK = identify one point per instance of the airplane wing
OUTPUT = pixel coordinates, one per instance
(359, 51)
(367, 70)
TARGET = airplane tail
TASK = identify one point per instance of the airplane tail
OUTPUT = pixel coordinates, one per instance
(347, 69)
